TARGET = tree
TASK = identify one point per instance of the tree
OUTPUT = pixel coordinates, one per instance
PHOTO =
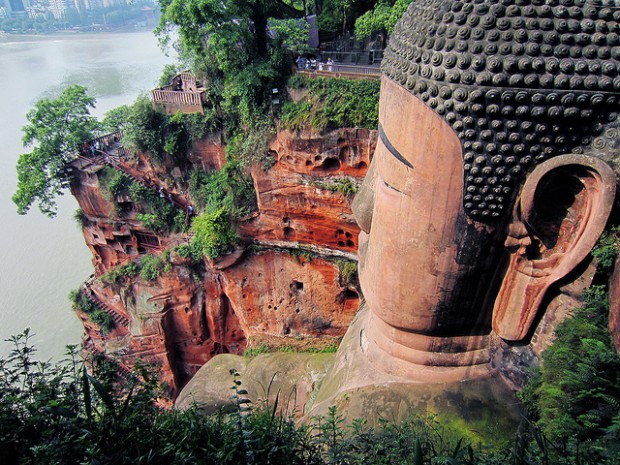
(382, 18)
(116, 118)
(226, 42)
(198, 19)
(294, 33)
(56, 128)
(213, 232)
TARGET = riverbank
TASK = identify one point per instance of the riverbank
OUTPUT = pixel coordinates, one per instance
(4, 35)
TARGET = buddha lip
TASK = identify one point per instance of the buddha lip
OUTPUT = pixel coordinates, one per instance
(392, 149)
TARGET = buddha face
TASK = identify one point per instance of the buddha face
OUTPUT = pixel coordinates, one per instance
(421, 260)
(437, 281)
(482, 193)
(418, 250)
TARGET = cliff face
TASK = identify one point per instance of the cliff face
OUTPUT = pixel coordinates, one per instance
(290, 278)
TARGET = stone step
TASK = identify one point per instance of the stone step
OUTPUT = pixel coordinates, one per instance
(118, 318)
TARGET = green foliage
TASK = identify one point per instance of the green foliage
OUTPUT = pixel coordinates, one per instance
(116, 118)
(224, 197)
(95, 314)
(227, 188)
(338, 16)
(293, 33)
(301, 253)
(69, 414)
(191, 250)
(348, 273)
(382, 18)
(170, 71)
(150, 131)
(252, 146)
(344, 185)
(80, 218)
(213, 232)
(102, 319)
(113, 183)
(120, 273)
(147, 130)
(333, 103)
(607, 249)
(227, 43)
(197, 125)
(254, 351)
(158, 214)
(151, 266)
(56, 129)
(575, 397)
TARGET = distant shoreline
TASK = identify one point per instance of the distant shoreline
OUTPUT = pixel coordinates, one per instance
(31, 34)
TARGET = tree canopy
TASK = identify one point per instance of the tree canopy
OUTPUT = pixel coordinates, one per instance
(227, 43)
(382, 18)
(56, 129)
(197, 20)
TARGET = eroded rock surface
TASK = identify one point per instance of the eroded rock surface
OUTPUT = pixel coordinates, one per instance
(288, 283)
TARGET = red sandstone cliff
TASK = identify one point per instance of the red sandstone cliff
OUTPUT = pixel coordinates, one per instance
(289, 283)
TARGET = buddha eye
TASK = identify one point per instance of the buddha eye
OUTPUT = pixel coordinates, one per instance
(391, 149)
(389, 186)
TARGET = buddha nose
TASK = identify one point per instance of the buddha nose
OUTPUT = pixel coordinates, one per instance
(364, 201)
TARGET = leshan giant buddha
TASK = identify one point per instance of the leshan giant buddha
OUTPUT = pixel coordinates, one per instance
(498, 132)
(493, 178)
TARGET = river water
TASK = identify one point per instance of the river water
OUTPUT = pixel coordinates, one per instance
(42, 259)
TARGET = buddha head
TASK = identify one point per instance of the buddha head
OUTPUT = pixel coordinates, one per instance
(493, 174)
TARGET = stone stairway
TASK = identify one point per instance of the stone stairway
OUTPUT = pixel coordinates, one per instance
(112, 158)
(119, 318)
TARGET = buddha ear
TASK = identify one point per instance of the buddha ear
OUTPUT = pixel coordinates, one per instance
(561, 212)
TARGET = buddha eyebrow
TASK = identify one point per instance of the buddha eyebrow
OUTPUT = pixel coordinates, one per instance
(392, 149)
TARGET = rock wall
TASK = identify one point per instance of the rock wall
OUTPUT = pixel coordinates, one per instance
(286, 280)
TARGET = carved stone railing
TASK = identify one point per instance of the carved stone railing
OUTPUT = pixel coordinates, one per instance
(344, 71)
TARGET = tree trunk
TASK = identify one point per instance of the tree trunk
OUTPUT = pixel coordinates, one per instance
(260, 33)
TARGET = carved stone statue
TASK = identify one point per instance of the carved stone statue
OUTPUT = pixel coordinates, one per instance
(497, 124)
(494, 176)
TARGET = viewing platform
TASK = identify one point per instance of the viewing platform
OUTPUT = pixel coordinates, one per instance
(183, 94)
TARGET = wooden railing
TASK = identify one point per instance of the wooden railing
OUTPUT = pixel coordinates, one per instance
(186, 76)
(176, 97)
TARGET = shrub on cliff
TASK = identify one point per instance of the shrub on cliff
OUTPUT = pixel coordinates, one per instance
(151, 267)
(213, 232)
(94, 313)
(332, 103)
(118, 274)
(146, 129)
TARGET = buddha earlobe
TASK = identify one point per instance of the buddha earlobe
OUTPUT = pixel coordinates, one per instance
(561, 212)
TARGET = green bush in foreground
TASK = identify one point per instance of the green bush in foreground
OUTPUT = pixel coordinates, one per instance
(66, 413)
